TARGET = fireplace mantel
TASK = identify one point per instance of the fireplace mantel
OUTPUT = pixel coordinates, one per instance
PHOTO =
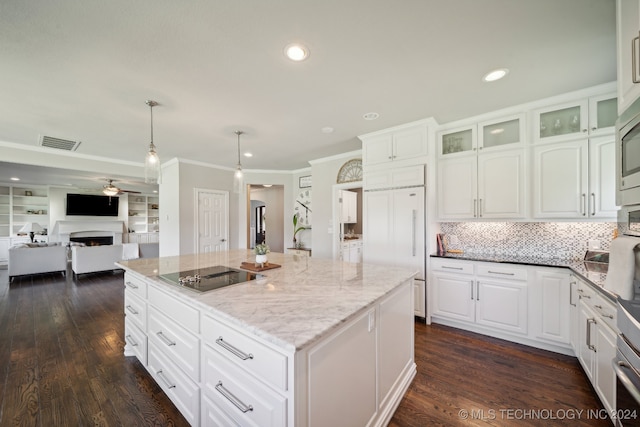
(63, 229)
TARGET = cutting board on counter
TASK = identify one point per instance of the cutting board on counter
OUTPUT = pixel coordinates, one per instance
(251, 266)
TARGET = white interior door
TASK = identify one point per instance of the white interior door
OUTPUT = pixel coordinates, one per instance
(212, 221)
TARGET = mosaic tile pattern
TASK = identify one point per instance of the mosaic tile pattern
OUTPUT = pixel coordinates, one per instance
(566, 240)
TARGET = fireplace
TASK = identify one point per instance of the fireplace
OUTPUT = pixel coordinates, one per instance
(93, 240)
(79, 231)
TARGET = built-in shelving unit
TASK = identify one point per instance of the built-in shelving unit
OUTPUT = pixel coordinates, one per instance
(29, 204)
(144, 218)
(5, 211)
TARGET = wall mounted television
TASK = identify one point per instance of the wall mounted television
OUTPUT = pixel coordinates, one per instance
(91, 205)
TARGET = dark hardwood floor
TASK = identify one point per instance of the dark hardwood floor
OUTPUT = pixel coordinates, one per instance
(61, 342)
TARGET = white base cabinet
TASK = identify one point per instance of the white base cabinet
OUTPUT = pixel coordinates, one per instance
(479, 293)
(596, 342)
(219, 375)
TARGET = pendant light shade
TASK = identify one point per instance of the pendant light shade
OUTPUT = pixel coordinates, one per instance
(238, 176)
(152, 161)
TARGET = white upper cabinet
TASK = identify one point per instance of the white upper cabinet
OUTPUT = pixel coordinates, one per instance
(560, 180)
(575, 179)
(564, 122)
(396, 146)
(483, 178)
(509, 132)
(349, 206)
(628, 46)
(561, 122)
(458, 142)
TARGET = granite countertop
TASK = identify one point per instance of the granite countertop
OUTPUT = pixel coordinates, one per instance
(292, 306)
(578, 266)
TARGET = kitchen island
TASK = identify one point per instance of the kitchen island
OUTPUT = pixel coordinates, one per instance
(312, 343)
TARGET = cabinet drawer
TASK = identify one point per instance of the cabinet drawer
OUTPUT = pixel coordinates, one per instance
(586, 293)
(178, 344)
(212, 416)
(499, 271)
(136, 341)
(135, 310)
(234, 392)
(176, 310)
(452, 266)
(606, 311)
(135, 285)
(256, 358)
(183, 392)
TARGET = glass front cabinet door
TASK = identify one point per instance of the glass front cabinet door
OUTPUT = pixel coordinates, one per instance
(603, 112)
(457, 142)
(506, 133)
(561, 122)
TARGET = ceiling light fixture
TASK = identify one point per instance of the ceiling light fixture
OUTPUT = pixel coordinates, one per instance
(267, 185)
(296, 52)
(370, 116)
(152, 161)
(238, 175)
(494, 75)
(14, 178)
(248, 154)
(110, 189)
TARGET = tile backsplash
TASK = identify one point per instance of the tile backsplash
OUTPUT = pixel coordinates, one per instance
(567, 240)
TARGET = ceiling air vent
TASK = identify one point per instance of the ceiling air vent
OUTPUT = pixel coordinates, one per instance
(59, 144)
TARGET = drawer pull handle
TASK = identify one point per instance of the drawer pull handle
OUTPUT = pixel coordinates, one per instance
(132, 310)
(500, 272)
(164, 379)
(238, 353)
(451, 268)
(166, 340)
(233, 399)
(129, 339)
(131, 285)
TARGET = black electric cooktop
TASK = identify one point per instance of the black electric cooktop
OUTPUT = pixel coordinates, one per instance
(209, 278)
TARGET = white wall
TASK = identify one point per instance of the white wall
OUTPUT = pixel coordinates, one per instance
(169, 196)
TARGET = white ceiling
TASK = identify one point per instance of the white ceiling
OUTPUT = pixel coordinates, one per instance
(82, 70)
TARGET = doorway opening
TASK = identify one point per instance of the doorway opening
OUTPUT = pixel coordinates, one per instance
(347, 223)
(265, 216)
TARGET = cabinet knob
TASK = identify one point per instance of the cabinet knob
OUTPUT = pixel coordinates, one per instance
(594, 128)
(584, 130)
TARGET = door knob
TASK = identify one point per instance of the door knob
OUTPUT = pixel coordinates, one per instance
(223, 240)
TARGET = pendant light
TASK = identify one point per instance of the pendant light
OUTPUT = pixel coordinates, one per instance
(237, 184)
(152, 161)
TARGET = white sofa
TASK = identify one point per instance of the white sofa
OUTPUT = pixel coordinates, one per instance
(90, 259)
(38, 259)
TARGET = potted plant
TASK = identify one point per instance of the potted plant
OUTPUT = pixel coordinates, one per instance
(261, 251)
(296, 230)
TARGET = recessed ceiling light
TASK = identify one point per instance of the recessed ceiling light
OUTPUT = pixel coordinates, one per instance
(14, 178)
(494, 75)
(267, 185)
(371, 116)
(248, 154)
(327, 129)
(155, 191)
(296, 52)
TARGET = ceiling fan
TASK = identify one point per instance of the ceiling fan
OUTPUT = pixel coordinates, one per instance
(111, 190)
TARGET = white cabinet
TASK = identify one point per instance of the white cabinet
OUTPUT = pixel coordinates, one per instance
(492, 296)
(596, 342)
(491, 185)
(408, 144)
(482, 170)
(575, 179)
(349, 206)
(628, 49)
(506, 132)
(384, 177)
(577, 119)
(551, 295)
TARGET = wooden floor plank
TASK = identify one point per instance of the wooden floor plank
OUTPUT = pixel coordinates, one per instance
(62, 363)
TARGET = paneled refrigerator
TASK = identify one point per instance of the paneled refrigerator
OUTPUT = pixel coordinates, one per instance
(394, 233)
